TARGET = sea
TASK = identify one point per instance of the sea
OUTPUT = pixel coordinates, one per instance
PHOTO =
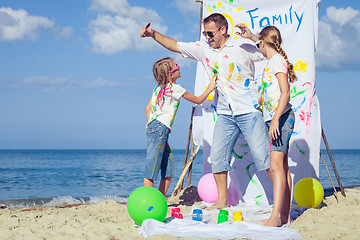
(51, 177)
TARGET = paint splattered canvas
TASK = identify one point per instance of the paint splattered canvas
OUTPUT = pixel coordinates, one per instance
(298, 24)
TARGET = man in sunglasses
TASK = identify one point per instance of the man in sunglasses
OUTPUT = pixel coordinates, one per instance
(231, 63)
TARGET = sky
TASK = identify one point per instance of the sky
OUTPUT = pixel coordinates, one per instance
(76, 74)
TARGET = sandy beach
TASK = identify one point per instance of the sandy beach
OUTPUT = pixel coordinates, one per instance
(110, 220)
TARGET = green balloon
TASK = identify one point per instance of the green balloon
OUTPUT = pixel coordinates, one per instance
(147, 203)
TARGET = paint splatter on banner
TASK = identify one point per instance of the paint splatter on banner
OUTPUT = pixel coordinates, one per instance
(298, 24)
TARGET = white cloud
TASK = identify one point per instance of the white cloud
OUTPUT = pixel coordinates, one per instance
(188, 6)
(339, 34)
(117, 26)
(341, 16)
(55, 84)
(101, 82)
(19, 25)
(47, 84)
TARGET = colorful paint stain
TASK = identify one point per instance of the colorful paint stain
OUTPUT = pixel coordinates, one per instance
(300, 150)
(231, 70)
(304, 116)
(295, 109)
(239, 78)
(214, 113)
(300, 66)
(248, 172)
(247, 83)
(254, 182)
(237, 155)
(294, 93)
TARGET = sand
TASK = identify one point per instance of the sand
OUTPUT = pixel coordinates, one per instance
(110, 220)
(336, 220)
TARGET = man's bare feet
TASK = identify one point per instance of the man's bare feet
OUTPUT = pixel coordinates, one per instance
(220, 204)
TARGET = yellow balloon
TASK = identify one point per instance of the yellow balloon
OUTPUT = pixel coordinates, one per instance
(308, 192)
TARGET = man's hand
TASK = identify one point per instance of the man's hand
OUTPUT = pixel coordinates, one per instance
(246, 33)
(147, 32)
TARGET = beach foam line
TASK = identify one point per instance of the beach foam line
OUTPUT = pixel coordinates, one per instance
(59, 201)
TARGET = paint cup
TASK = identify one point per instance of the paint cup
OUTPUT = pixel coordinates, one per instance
(223, 216)
(175, 212)
(237, 216)
(197, 215)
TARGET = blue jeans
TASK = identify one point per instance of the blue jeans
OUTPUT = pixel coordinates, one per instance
(158, 155)
(226, 132)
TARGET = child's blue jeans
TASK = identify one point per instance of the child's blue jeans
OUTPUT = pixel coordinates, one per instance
(158, 155)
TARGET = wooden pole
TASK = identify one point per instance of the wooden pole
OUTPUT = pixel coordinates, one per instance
(188, 141)
(182, 176)
(190, 169)
(186, 166)
(201, 15)
(192, 142)
(335, 192)
(332, 162)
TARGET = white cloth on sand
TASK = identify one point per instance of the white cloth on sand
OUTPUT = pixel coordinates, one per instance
(209, 228)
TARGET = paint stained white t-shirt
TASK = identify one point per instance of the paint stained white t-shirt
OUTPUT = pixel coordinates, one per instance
(270, 89)
(165, 103)
(233, 68)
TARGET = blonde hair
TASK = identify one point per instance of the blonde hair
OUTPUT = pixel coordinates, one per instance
(161, 71)
(271, 35)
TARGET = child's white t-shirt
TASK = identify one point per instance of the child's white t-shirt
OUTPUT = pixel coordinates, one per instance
(164, 108)
(270, 89)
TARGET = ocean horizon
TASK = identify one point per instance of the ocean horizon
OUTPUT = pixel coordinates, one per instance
(51, 176)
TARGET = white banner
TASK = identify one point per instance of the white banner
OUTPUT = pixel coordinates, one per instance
(298, 23)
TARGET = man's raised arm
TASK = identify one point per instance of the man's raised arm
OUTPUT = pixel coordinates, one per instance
(166, 42)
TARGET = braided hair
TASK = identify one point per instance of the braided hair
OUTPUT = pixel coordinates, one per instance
(161, 71)
(271, 35)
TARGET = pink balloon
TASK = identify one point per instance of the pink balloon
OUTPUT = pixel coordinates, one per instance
(207, 189)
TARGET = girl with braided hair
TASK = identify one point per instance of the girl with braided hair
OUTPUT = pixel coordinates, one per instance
(278, 116)
(160, 114)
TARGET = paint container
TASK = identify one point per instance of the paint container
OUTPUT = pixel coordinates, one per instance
(237, 216)
(223, 216)
(197, 215)
(175, 212)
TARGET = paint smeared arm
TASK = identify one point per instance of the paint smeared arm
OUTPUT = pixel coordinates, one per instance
(200, 99)
(166, 42)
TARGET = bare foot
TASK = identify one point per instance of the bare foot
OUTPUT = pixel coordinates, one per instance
(273, 222)
(220, 204)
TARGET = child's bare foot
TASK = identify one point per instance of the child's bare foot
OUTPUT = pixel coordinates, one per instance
(220, 204)
(285, 219)
(273, 222)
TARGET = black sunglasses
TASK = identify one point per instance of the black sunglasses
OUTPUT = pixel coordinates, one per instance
(258, 44)
(211, 34)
